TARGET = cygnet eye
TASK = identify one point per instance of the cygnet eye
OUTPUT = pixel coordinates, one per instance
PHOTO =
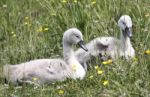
(124, 23)
(77, 36)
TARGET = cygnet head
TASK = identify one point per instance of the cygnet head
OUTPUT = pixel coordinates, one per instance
(125, 23)
(74, 36)
(97, 45)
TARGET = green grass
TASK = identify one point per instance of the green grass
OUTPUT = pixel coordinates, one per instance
(20, 42)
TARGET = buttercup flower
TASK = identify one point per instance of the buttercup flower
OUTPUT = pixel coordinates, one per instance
(34, 78)
(107, 62)
(99, 72)
(12, 32)
(75, 1)
(147, 15)
(61, 92)
(14, 35)
(147, 52)
(96, 67)
(46, 29)
(40, 29)
(26, 18)
(105, 82)
(90, 77)
(26, 23)
(93, 2)
(64, 1)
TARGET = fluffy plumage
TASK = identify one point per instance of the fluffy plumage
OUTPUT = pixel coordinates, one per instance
(111, 46)
(49, 70)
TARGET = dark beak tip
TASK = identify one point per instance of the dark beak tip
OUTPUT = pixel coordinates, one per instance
(81, 44)
(129, 35)
(86, 49)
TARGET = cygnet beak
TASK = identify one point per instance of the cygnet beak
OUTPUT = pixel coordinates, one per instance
(128, 30)
(82, 45)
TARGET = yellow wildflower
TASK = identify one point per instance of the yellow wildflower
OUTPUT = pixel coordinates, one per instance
(61, 91)
(4, 6)
(74, 67)
(26, 18)
(147, 52)
(14, 35)
(26, 23)
(96, 67)
(46, 29)
(93, 2)
(90, 77)
(64, 1)
(107, 62)
(99, 72)
(75, 1)
(34, 78)
(40, 29)
(105, 82)
(12, 32)
(104, 62)
(147, 15)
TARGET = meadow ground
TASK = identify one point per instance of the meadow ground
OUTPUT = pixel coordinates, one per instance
(33, 29)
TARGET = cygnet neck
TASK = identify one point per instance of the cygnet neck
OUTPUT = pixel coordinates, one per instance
(125, 41)
(67, 50)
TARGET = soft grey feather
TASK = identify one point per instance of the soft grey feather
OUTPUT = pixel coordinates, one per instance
(111, 46)
(49, 70)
